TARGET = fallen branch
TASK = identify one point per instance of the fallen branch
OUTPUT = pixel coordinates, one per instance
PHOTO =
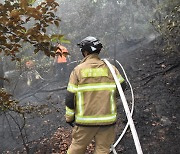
(40, 90)
(31, 94)
(9, 125)
(163, 71)
(52, 90)
(23, 135)
(148, 81)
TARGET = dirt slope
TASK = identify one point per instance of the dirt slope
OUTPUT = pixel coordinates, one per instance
(155, 77)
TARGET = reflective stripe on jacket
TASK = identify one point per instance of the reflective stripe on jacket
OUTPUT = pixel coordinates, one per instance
(95, 90)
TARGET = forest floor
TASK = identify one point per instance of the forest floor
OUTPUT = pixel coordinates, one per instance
(155, 78)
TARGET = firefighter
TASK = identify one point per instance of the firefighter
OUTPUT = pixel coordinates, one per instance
(61, 62)
(32, 73)
(90, 101)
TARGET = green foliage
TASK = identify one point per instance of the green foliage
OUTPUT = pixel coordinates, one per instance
(20, 22)
(168, 27)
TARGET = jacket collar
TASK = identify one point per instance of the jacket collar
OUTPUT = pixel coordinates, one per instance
(90, 56)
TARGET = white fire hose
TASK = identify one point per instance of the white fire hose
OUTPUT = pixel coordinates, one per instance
(126, 108)
(132, 106)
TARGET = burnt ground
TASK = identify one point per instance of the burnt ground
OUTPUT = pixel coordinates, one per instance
(155, 78)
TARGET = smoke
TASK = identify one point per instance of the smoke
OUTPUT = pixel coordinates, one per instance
(116, 23)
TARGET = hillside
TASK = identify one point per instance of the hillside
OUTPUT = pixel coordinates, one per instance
(155, 77)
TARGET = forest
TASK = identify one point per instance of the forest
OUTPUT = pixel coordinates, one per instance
(142, 35)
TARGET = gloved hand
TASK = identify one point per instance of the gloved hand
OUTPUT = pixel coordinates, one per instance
(71, 123)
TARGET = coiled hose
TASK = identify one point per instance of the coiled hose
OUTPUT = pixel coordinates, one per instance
(128, 113)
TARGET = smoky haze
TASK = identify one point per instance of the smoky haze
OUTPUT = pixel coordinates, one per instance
(121, 26)
(118, 24)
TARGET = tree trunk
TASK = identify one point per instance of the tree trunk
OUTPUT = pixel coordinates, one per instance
(1, 74)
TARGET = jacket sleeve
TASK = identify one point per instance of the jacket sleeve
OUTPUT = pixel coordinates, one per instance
(70, 97)
(69, 102)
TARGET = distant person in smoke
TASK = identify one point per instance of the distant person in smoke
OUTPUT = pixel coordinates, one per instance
(90, 101)
(32, 73)
(61, 62)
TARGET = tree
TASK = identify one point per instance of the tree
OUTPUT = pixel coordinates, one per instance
(168, 24)
(119, 20)
(27, 21)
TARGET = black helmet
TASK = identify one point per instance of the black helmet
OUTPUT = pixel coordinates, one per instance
(90, 44)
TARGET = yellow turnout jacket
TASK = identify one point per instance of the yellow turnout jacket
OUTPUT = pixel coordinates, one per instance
(94, 88)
